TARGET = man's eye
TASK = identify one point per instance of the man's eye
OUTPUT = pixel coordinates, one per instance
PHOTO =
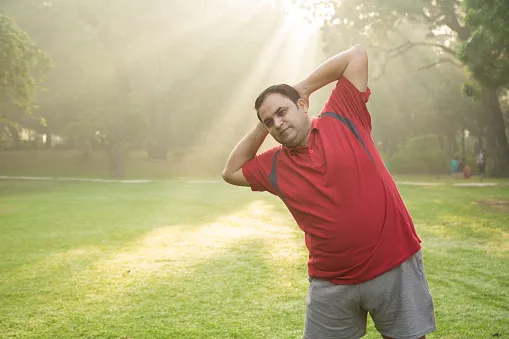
(268, 123)
(281, 112)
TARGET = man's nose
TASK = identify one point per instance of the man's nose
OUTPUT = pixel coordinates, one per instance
(278, 122)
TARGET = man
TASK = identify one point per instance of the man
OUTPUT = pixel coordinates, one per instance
(481, 163)
(364, 253)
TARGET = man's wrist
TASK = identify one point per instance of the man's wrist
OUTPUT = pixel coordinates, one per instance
(261, 127)
(307, 88)
(303, 88)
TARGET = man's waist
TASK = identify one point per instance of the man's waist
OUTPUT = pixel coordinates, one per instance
(347, 269)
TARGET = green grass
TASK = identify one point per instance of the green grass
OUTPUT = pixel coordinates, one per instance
(188, 260)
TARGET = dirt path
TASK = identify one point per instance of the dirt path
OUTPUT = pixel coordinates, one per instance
(144, 181)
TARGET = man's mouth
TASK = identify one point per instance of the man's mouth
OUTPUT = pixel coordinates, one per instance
(283, 131)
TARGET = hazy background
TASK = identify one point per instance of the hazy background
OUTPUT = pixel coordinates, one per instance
(165, 89)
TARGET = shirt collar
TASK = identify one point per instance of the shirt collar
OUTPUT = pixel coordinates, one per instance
(304, 149)
(314, 123)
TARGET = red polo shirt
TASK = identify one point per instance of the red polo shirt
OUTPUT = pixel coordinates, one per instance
(340, 193)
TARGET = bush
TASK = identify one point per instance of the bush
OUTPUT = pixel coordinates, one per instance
(421, 155)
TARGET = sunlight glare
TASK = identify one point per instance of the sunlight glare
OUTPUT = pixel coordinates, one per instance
(170, 251)
(287, 56)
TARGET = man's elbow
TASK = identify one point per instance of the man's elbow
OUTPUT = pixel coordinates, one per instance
(235, 178)
(358, 51)
(358, 47)
(226, 176)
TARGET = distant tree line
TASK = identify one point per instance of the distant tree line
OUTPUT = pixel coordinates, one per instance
(123, 75)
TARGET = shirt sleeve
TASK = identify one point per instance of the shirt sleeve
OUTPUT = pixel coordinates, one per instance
(349, 102)
(257, 170)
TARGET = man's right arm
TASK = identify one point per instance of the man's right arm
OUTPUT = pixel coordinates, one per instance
(244, 151)
(352, 63)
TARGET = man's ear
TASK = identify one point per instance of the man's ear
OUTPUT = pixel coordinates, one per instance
(303, 105)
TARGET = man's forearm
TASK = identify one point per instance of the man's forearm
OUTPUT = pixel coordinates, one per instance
(329, 71)
(246, 149)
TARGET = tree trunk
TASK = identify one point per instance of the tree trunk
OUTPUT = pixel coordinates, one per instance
(463, 156)
(158, 149)
(118, 148)
(118, 151)
(48, 139)
(14, 135)
(497, 145)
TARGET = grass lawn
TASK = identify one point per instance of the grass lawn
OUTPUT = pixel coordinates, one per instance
(189, 260)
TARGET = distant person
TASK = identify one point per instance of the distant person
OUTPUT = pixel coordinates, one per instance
(468, 172)
(481, 163)
(454, 166)
(364, 253)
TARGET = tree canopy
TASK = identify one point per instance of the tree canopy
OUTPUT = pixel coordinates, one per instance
(22, 69)
(470, 33)
(180, 77)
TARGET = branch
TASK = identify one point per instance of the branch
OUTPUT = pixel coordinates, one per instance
(444, 12)
(432, 35)
(429, 17)
(408, 45)
(451, 20)
(438, 62)
(405, 47)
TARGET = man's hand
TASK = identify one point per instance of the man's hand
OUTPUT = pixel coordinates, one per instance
(352, 63)
(303, 92)
(244, 151)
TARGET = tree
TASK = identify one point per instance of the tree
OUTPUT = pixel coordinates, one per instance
(411, 103)
(22, 70)
(379, 22)
(486, 54)
(148, 75)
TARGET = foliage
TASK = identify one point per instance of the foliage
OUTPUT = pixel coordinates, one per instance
(143, 74)
(420, 155)
(477, 29)
(22, 70)
(486, 51)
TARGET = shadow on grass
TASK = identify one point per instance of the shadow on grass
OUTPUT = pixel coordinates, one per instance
(79, 224)
(470, 289)
(455, 214)
(233, 295)
(233, 289)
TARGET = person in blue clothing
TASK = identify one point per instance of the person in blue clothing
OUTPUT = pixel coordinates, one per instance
(454, 166)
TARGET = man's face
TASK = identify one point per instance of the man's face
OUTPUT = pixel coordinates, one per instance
(287, 122)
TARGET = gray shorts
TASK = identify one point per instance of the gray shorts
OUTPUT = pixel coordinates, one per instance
(399, 301)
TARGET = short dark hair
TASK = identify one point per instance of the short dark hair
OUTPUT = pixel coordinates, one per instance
(283, 89)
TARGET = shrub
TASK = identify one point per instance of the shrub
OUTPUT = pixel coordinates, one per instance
(420, 155)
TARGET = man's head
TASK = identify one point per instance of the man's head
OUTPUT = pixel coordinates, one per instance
(284, 114)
